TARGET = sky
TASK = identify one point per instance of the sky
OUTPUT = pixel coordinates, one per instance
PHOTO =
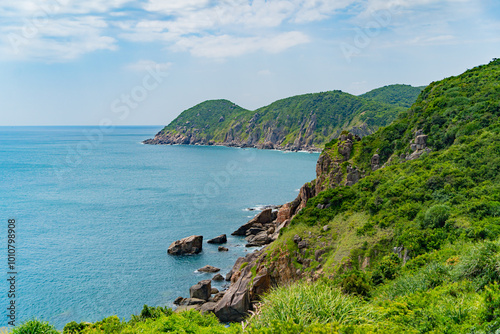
(68, 62)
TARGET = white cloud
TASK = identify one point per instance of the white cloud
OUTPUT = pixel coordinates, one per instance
(142, 65)
(224, 46)
(55, 39)
(174, 6)
(218, 29)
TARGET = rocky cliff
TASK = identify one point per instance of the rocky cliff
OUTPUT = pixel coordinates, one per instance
(304, 122)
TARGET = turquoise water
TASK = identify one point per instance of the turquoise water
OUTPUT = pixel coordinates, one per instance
(96, 212)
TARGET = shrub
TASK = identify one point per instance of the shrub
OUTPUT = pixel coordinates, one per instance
(35, 326)
(74, 327)
(436, 216)
(387, 268)
(491, 312)
(356, 283)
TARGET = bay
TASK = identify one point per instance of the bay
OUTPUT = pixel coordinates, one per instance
(96, 211)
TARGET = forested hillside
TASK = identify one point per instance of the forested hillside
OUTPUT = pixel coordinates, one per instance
(296, 123)
(401, 95)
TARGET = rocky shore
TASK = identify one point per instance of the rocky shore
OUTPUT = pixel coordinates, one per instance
(254, 274)
(193, 138)
(251, 276)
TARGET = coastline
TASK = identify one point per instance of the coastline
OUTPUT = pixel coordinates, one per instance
(252, 275)
(182, 140)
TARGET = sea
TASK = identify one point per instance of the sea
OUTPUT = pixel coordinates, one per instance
(91, 211)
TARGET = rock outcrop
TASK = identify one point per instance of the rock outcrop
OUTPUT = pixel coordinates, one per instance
(202, 290)
(329, 171)
(209, 269)
(189, 245)
(221, 239)
(418, 146)
(260, 220)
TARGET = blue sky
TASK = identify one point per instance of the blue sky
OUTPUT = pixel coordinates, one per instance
(66, 62)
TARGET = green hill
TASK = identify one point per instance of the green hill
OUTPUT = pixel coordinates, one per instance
(416, 233)
(299, 122)
(399, 232)
(400, 95)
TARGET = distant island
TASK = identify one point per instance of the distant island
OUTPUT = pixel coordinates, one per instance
(302, 122)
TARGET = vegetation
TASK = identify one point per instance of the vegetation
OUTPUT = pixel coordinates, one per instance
(413, 247)
(324, 114)
(400, 95)
(35, 326)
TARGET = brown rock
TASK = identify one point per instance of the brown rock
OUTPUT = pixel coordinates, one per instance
(218, 296)
(189, 245)
(209, 269)
(202, 290)
(178, 301)
(217, 277)
(208, 307)
(222, 249)
(264, 217)
(221, 239)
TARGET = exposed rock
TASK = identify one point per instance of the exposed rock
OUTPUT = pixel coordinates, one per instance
(221, 239)
(208, 307)
(235, 303)
(214, 291)
(218, 296)
(192, 301)
(302, 244)
(254, 230)
(217, 277)
(284, 213)
(375, 162)
(297, 238)
(178, 300)
(402, 254)
(236, 267)
(318, 253)
(189, 245)
(209, 269)
(202, 290)
(353, 176)
(264, 217)
(326, 228)
(345, 149)
(222, 249)
(366, 263)
(258, 240)
(421, 142)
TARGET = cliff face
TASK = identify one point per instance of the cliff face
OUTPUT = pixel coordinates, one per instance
(304, 122)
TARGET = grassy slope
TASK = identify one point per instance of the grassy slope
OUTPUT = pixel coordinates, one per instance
(444, 208)
(334, 111)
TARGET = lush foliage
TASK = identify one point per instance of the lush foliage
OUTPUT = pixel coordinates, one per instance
(401, 95)
(34, 326)
(154, 320)
(413, 247)
(319, 116)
